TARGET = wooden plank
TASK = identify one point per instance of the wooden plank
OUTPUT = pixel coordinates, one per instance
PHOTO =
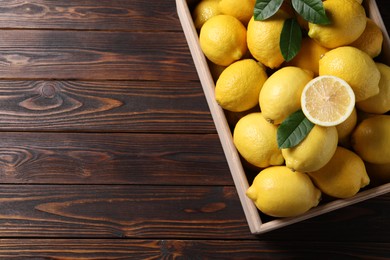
(109, 106)
(187, 249)
(96, 55)
(59, 158)
(117, 211)
(168, 212)
(89, 15)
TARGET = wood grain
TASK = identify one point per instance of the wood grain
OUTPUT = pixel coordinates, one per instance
(104, 106)
(118, 211)
(187, 249)
(89, 15)
(168, 212)
(95, 55)
(158, 159)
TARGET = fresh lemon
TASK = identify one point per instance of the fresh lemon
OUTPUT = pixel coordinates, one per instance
(255, 140)
(371, 40)
(223, 39)
(242, 10)
(313, 152)
(380, 103)
(203, 11)
(327, 100)
(343, 176)
(379, 173)
(263, 39)
(344, 130)
(309, 55)
(238, 87)
(277, 191)
(354, 66)
(347, 23)
(280, 95)
(371, 139)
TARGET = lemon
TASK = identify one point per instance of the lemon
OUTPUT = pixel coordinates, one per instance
(223, 39)
(203, 11)
(347, 23)
(345, 129)
(327, 100)
(354, 66)
(309, 55)
(343, 176)
(371, 139)
(280, 95)
(277, 191)
(263, 39)
(371, 40)
(313, 152)
(255, 140)
(242, 10)
(380, 103)
(379, 173)
(238, 87)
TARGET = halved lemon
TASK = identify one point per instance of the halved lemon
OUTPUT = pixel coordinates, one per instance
(327, 100)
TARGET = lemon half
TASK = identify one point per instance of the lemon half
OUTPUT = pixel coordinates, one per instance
(327, 100)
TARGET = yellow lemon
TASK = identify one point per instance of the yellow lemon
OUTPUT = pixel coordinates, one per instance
(380, 103)
(255, 140)
(242, 10)
(371, 40)
(327, 100)
(277, 191)
(343, 176)
(347, 23)
(345, 129)
(379, 173)
(223, 39)
(313, 152)
(354, 66)
(371, 139)
(309, 55)
(238, 87)
(263, 39)
(280, 95)
(203, 11)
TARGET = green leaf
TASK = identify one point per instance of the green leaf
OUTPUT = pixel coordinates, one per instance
(290, 39)
(266, 8)
(311, 10)
(293, 130)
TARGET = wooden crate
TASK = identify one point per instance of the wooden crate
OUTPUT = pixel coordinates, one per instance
(256, 225)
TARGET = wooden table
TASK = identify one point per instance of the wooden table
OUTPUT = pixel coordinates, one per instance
(108, 149)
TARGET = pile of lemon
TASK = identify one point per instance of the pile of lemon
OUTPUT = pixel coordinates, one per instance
(335, 80)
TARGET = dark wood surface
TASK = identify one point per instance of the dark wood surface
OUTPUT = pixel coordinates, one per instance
(108, 149)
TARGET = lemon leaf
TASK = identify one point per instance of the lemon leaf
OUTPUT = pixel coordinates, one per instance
(311, 10)
(290, 39)
(293, 130)
(266, 8)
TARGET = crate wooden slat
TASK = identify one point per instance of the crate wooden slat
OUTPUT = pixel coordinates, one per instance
(256, 225)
